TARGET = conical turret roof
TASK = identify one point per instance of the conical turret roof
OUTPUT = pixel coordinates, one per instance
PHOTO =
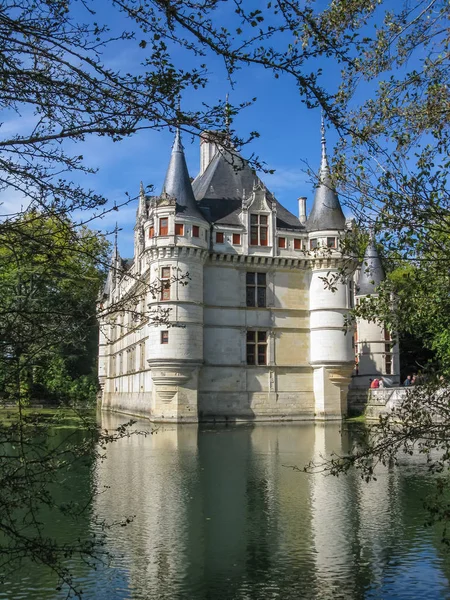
(177, 182)
(326, 212)
(372, 272)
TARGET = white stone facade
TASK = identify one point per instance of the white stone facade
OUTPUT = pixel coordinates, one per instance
(250, 331)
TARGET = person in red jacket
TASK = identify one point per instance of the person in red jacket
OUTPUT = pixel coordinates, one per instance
(375, 384)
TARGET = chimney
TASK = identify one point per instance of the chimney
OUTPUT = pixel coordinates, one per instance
(208, 149)
(302, 209)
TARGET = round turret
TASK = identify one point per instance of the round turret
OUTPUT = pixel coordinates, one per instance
(376, 348)
(331, 352)
(177, 237)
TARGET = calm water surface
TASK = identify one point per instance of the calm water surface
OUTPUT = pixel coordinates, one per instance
(220, 515)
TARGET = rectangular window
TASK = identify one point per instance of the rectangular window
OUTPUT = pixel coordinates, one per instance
(331, 242)
(219, 237)
(165, 283)
(258, 230)
(256, 289)
(195, 231)
(281, 242)
(142, 356)
(388, 364)
(297, 244)
(164, 337)
(257, 347)
(164, 226)
(151, 232)
(313, 244)
(120, 364)
(179, 229)
(351, 299)
(237, 239)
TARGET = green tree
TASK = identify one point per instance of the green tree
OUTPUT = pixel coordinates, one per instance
(390, 106)
(50, 276)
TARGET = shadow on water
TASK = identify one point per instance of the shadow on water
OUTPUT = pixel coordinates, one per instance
(220, 515)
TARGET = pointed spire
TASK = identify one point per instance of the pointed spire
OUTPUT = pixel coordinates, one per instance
(324, 163)
(142, 208)
(116, 248)
(115, 258)
(177, 182)
(227, 118)
(326, 213)
(372, 272)
(177, 144)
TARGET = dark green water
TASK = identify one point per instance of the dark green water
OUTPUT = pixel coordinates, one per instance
(220, 515)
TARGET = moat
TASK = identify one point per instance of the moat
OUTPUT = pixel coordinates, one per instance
(219, 514)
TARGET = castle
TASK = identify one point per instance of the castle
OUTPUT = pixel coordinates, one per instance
(224, 313)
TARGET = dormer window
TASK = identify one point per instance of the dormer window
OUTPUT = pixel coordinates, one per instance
(195, 231)
(297, 244)
(282, 242)
(331, 242)
(219, 237)
(258, 230)
(179, 229)
(164, 226)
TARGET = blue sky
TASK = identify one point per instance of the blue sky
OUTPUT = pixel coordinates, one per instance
(289, 136)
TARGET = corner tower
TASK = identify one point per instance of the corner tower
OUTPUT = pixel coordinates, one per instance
(377, 349)
(177, 238)
(331, 354)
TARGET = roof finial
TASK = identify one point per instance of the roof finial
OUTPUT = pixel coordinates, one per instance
(324, 164)
(115, 240)
(227, 117)
(142, 201)
(177, 144)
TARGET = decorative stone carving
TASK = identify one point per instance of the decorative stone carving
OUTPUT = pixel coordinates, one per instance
(168, 377)
(341, 375)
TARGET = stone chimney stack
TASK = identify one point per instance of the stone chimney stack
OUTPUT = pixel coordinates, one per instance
(302, 209)
(208, 149)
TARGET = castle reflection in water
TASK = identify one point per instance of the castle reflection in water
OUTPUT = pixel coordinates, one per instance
(219, 514)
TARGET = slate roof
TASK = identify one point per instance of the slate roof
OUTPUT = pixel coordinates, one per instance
(177, 182)
(221, 188)
(326, 212)
(372, 272)
(127, 263)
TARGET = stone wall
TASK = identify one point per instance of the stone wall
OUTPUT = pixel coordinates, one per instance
(381, 402)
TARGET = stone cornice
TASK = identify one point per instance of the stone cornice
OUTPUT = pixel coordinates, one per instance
(267, 261)
(301, 262)
(176, 252)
